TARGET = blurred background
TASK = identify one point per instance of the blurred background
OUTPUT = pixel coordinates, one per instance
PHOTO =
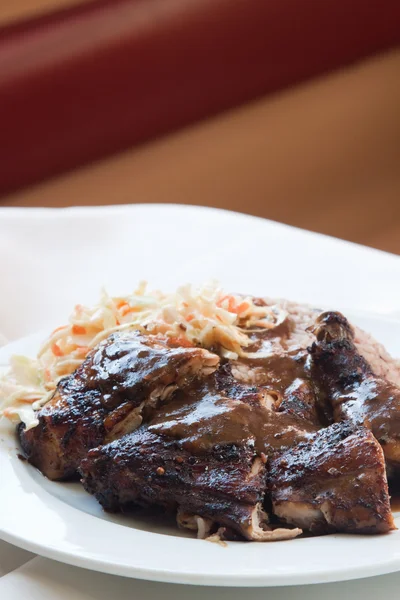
(286, 109)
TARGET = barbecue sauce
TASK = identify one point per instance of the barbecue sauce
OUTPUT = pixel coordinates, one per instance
(232, 413)
(279, 415)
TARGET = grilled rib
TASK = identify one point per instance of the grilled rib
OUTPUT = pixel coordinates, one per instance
(220, 488)
(220, 410)
(334, 482)
(351, 388)
(203, 454)
(126, 377)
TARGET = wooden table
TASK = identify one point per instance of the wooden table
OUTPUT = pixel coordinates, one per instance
(324, 156)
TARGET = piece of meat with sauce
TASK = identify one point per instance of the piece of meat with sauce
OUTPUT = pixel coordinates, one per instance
(297, 336)
(125, 378)
(334, 482)
(285, 376)
(203, 454)
(221, 488)
(280, 359)
(352, 390)
(220, 410)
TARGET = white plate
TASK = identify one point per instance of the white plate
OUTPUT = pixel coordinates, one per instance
(62, 522)
(51, 259)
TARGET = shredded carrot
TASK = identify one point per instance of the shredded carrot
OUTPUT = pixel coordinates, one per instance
(242, 307)
(232, 307)
(78, 308)
(56, 350)
(78, 330)
(231, 303)
(180, 341)
(190, 317)
(126, 309)
(47, 374)
(185, 304)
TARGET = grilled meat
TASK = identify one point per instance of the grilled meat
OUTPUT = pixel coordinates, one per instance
(147, 424)
(204, 454)
(297, 336)
(351, 388)
(126, 377)
(280, 356)
(220, 410)
(300, 400)
(334, 482)
(223, 487)
(279, 361)
(286, 377)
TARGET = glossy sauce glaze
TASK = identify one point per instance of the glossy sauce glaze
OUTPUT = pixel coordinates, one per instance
(209, 415)
(129, 366)
(287, 376)
(355, 392)
(279, 369)
(278, 413)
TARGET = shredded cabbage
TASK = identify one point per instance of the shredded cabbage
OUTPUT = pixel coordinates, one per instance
(204, 316)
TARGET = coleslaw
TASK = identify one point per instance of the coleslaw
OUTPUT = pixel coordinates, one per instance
(200, 316)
